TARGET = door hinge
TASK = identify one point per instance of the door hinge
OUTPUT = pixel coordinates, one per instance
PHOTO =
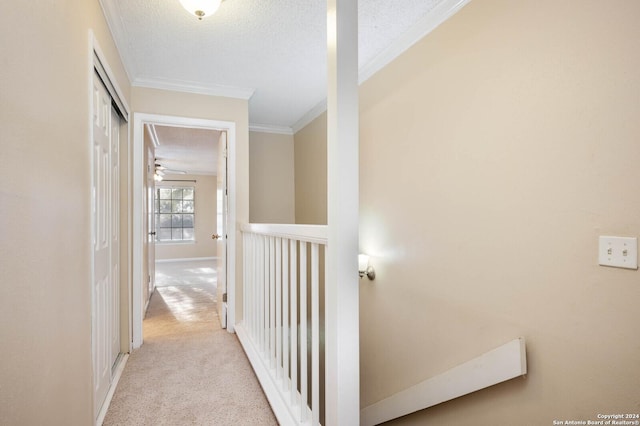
(224, 298)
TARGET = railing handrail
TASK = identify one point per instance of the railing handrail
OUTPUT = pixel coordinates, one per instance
(309, 233)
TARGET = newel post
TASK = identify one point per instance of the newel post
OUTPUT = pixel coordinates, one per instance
(342, 346)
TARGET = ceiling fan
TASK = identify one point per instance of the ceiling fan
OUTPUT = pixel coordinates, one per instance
(160, 171)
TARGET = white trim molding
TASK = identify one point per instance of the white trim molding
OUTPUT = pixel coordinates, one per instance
(192, 87)
(498, 365)
(440, 13)
(98, 53)
(113, 15)
(268, 128)
(282, 413)
(309, 116)
(117, 374)
(432, 20)
(154, 136)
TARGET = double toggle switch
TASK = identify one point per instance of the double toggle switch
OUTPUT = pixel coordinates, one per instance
(619, 252)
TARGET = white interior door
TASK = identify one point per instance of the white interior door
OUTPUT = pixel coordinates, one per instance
(151, 221)
(222, 207)
(105, 236)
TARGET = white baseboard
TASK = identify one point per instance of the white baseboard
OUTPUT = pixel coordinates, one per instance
(271, 390)
(112, 389)
(498, 365)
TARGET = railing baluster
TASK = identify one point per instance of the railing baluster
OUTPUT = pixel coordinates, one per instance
(303, 331)
(256, 287)
(272, 303)
(254, 279)
(254, 283)
(294, 321)
(245, 273)
(263, 296)
(278, 274)
(315, 335)
(282, 314)
(285, 313)
(266, 298)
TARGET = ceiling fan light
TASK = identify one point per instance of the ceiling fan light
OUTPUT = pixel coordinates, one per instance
(201, 8)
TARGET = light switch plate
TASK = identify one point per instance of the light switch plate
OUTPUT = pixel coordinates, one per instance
(619, 252)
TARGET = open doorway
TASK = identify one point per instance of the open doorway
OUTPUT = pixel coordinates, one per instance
(176, 219)
(186, 221)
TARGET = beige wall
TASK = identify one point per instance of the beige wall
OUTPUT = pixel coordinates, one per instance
(162, 102)
(493, 154)
(205, 219)
(45, 289)
(311, 172)
(271, 178)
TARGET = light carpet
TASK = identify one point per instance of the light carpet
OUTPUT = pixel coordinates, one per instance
(189, 371)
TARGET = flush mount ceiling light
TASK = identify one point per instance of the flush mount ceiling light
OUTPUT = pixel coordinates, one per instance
(201, 8)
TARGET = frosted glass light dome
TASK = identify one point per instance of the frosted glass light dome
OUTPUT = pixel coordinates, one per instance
(201, 8)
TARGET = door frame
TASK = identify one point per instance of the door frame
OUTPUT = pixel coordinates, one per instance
(139, 120)
(222, 226)
(150, 216)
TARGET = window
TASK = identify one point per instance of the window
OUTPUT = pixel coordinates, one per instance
(175, 214)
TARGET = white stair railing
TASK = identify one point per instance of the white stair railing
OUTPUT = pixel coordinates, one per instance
(281, 331)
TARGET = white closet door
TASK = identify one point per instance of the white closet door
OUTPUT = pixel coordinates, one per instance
(114, 297)
(105, 184)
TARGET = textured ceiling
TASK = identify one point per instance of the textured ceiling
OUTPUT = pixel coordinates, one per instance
(194, 151)
(272, 52)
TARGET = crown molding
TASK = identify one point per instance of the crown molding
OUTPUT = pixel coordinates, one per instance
(309, 116)
(191, 87)
(112, 15)
(439, 14)
(151, 128)
(268, 128)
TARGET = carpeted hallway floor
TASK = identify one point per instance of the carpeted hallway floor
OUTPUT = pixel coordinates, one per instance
(189, 371)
